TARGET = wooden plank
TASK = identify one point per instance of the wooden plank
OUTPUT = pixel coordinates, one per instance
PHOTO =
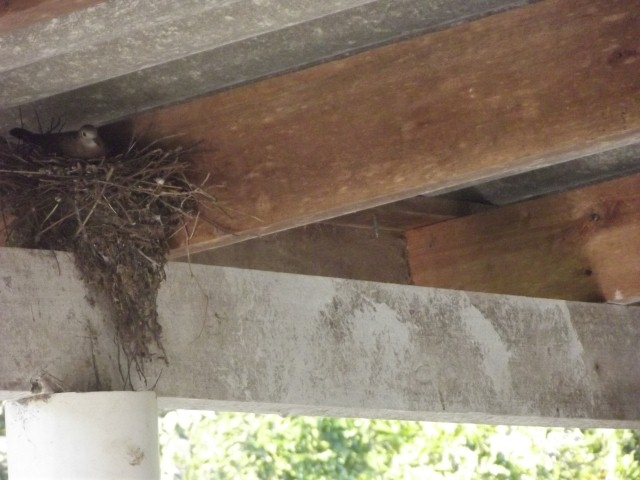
(579, 245)
(17, 14)
(410, 213)
(319, 249)
(292, 344)
(529, 87)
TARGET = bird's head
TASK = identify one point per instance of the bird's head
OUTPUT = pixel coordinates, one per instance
(88, 132)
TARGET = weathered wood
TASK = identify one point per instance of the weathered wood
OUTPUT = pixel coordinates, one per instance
(319, 249)
(15, 14)
(260, 341)
(578, 245)
(530, 87)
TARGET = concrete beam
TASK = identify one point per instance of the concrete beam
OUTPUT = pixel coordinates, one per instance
(119, 58)
(267, 342)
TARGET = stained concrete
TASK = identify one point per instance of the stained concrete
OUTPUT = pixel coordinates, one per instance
(556, 178)
(117, 38)
(293, 344)
(119, 58)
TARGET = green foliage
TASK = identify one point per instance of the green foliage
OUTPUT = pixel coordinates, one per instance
(207, 445)
(227, 445)
(198, 445)
(4, 474)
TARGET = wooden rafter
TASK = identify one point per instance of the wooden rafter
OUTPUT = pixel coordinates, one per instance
(530, 87)
(578, 245)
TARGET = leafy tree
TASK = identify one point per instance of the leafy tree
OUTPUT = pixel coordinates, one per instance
(4, 474)
(199, 445)
(208, 445)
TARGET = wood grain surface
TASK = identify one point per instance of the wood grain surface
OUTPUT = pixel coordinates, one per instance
(579, 245)
(522, 89)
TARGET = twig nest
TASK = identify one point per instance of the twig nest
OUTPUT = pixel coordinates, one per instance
(117, 214)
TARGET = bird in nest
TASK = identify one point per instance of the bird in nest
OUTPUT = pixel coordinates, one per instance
(83, 143)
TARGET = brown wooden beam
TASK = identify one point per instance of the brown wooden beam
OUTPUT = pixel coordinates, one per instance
(579, 245)
(319, 249)
(530, 87)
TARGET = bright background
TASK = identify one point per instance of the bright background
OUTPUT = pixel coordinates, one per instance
(199, 445)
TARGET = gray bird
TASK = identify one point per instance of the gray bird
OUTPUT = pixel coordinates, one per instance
(83, 143)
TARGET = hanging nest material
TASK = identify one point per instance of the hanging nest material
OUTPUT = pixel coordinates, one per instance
(115, 214)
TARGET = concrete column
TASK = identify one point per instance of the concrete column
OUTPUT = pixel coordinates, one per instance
(97, 435)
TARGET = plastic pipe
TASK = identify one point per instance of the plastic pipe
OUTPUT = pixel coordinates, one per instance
(96, 435)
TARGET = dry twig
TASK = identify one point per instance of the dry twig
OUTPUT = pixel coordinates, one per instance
(116, 214)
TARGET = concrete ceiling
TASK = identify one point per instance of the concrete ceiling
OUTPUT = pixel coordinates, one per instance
(119, 58)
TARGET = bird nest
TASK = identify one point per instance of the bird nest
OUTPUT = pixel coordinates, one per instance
(116, 214)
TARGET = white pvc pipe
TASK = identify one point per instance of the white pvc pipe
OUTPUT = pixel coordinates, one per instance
(96, 435)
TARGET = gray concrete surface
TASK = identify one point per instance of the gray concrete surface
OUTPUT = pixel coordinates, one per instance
(270, 342)
(575, 173)
(118, 58)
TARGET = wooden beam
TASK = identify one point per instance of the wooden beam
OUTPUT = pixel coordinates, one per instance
(17, 14)
(522, 89)
(578, 245)
(319, 249)
(268, 342)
